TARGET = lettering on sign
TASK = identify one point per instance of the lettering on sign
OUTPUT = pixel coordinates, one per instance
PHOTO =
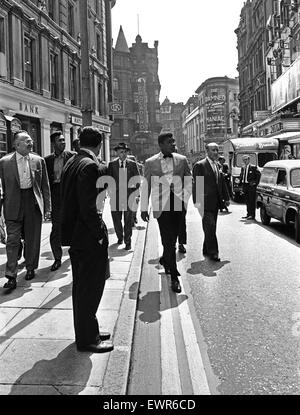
(29, 108)
(142, 103)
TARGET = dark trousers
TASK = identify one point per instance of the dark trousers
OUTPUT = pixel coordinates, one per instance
(182, 235)
(126, 231)
(88, 269)
(209, 224)
(55, 236)
(30, 222)
(250, 198)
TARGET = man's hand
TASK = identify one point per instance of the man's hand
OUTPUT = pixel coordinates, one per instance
(145, 216)
(47, 215)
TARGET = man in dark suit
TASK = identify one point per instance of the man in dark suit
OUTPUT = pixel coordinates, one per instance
(55, 163)
(249, 179)
(127, 181)
(26, 198)
(215, 195)
(168, 177)
(227, 177)
(84, 230)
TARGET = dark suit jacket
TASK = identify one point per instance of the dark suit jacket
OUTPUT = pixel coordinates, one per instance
(82, 226)
(214, 193)
(11, 184)
(131, 171)
(50, 164)
(253, 175)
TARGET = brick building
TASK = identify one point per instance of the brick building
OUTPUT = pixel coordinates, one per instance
(171, 121)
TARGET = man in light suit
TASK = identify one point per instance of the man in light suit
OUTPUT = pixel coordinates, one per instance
(123, 170)
(55, 163)
(168, 178)
(215, 196)
(26, 199)
(249, 179)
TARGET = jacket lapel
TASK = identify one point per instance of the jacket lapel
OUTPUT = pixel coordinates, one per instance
(13, 161)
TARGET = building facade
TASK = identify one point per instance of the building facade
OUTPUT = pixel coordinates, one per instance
(278, 36)
(171, 121)
(40, 69)
(136, 90)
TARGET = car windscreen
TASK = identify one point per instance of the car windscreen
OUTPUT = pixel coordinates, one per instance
(268, 176)
(264, 158)
(239, 159)
(295, 178)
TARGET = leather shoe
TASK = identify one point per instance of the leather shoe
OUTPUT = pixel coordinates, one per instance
(215, 258)
(56, 265)
(120, 241)
(162, 262)
(101, 347)
(175, 285)
(30, 275)
(127, 247)
(104, 335)
(245, 217)
(181, 249)
(11, 284)
(251, 218)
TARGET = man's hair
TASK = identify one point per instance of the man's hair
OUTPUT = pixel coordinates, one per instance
(55, 135)
(163, 137)
(209, 145)
(90, 137)
(245, 157)
(19, 132)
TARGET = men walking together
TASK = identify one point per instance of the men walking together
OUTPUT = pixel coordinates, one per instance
(167, 176)
(249, 179)
(215, 196)
(84, 230)
(26, 196)
(127, 180)
(55, 163)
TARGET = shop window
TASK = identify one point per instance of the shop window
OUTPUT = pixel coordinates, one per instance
(29, 62)
(73, 83)
(54, 75)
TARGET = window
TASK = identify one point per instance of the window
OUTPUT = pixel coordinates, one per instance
(2, 35)
(268, 176)
(71, 19)
(51, 9)
(116, 85)
(281, 178)
(99, 46)
(295, 178)
(73, 90)
(53, 75)
(101, 99)
(28, 56)
(264, 158)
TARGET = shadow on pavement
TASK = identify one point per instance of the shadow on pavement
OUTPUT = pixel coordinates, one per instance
(69, 368)
(206, 268)
(281, 230)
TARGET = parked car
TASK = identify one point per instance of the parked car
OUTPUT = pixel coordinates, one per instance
(278, 193)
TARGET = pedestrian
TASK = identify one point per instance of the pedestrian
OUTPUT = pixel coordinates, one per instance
(227, 177)
(123, 203)
(249, 179)
(55, 163)
(26, 195)
(182, 233)
(286, 153)
(167, 176)
(137, 199)
(84, 230)
(215, 195)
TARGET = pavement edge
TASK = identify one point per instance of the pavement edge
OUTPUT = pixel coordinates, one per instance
(117, 371)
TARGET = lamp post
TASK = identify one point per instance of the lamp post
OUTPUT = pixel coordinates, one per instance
(86, 107)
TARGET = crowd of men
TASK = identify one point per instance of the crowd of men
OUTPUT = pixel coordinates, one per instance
(70, 187)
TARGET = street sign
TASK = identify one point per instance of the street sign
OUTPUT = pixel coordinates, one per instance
(116, 108)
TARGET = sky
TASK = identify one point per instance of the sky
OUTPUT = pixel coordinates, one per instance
(196, 39)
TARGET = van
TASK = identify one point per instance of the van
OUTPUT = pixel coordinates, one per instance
(278, 193)
(260, 149)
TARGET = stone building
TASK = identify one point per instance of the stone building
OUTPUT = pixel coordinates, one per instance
(171, 121)
(136, 90)
(40, 69)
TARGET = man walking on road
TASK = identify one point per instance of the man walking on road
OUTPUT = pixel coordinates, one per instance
(167, 176)
(249, 179)
(26, 196)
(215, 196)
(55, 163)
(84, 230)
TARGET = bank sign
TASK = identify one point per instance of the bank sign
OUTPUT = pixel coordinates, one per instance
(286, 88)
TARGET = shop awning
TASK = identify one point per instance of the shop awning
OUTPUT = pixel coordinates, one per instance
(287, 136)
(295, 141)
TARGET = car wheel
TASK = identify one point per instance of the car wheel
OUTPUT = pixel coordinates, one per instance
(265, 218)
(297, 228)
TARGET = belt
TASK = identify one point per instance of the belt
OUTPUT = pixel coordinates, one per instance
(26, 190)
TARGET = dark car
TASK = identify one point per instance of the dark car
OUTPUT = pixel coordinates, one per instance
(278, 193)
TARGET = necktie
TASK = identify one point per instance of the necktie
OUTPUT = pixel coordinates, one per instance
(168, 156)
(216, 172)
(122, 165)
(245, 174)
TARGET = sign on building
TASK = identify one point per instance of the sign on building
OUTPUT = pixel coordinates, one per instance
(116, 108)
(261, 115)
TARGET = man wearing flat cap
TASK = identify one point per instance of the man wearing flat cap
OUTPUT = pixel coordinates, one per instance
(122, 197)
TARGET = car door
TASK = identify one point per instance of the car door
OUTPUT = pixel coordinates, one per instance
(266, 187)
(279, 194)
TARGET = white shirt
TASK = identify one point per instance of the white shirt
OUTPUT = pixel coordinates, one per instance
(167, 167)
(24, 171)
(124, 164)
(214, 167)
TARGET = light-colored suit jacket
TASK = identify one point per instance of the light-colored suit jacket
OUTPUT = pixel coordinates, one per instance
(11, 184)
(156, 183)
